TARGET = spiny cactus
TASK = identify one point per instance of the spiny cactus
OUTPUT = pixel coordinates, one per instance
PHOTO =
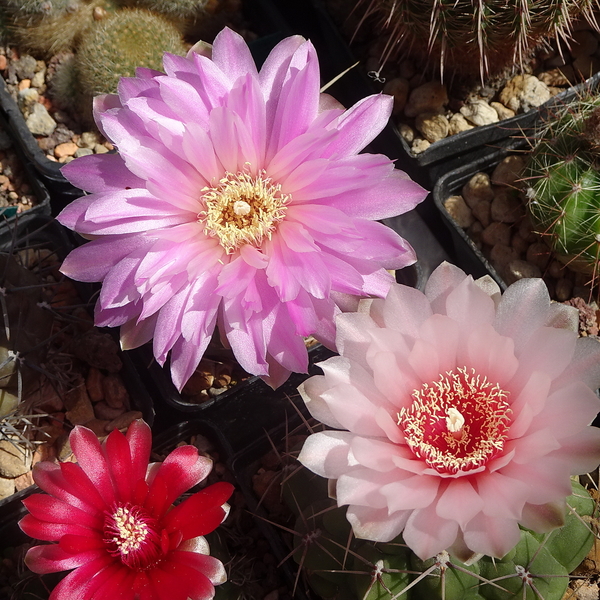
(475, 37)
(173, 9)
(125, 40)
(562, 185)
(342, 568)
(46, 27)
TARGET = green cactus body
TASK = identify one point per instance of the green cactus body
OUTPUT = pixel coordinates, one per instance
(117, 45)
(340, 567)
(476, 37)
(562, 187)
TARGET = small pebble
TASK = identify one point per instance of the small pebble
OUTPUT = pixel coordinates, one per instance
(478, 188)
(459, 211)
(521, 269)
(563, 289)
(65, 149)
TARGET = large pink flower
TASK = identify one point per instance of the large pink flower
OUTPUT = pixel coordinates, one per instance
(460, 414)
(114, 522)
(238, 197)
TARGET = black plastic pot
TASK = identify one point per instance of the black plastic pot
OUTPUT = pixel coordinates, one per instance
(311, 19)
(470, 258)
(244, 466)
(8, 215)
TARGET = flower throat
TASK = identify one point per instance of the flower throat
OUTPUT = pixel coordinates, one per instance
(458, 423)
(243, 209)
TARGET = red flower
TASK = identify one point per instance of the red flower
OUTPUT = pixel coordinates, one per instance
(114, 522)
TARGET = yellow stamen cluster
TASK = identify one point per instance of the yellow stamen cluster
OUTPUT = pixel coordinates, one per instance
(243, 209)
(130, 531)
(458, 423)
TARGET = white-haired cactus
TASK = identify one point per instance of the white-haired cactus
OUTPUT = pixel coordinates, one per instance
(562, 186)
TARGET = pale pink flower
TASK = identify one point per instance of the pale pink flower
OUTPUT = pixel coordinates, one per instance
(115, 525)
(460, 414)
(238, 197)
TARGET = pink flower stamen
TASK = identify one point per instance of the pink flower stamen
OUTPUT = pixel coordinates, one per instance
(131, 535)
(243, 209)
(458, 423)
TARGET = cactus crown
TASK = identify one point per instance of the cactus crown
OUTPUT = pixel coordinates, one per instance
(120, 43)
(475, 36)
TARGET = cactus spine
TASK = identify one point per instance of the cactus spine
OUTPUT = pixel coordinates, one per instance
(563, 186)
(474, 36)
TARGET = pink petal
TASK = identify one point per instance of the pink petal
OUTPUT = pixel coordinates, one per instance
(405, 310)
(231, 54)
(459, 502)
(523, 309)
(298, 100)
(360, 125)
(101, 173)
(427, 534)
(410, 492)
(492, 536)
(326, 453)
(376, 524)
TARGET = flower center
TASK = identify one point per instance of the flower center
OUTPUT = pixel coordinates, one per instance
(458, 423)
(242, 209)
(131, 535)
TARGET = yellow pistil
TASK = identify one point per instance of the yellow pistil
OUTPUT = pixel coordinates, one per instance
(243, 209)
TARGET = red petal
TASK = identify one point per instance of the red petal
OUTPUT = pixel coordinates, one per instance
(209, 566)
(118, 458)
(80, 543)
(157, 501)
(52, 558)
(52, 510)
(116, 584)
(140, 443)
(201, 513)
(181, 470)
(83, 582)
(142, 586)
(79, 484)
(52, 532)
(51, 479)
(174, 581)
(88, 452)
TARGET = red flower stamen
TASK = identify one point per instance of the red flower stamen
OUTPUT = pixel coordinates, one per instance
(132, 535)
(458, 423)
